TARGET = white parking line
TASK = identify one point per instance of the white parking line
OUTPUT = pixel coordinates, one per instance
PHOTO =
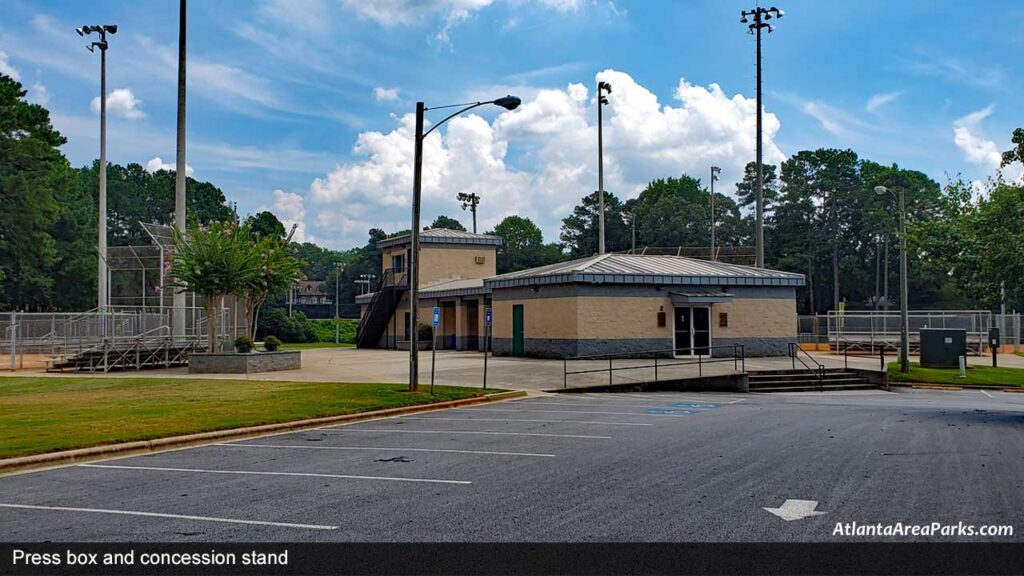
(644, 406)
(372, 430)
(735, 401)
(630, 396)
(386, 449)
(175, 516)
(259, 473)
(987, 394)
(526, 420)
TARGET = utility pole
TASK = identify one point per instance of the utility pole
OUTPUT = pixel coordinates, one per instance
(715, 171)
(470, 201)
(602, 89)
(180, 169)
(102, 276)
(759, 15)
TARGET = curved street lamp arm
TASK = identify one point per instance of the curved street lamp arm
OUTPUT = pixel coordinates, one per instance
(470, 107)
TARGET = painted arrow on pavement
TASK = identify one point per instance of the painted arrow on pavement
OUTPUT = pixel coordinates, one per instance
(796, 510)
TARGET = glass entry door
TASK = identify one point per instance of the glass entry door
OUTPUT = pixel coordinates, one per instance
(692, 329)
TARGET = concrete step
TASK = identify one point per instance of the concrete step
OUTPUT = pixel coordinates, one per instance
(808, 388)
(832, 382)
(760, 376)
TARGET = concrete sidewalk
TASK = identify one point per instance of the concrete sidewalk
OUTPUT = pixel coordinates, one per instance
(466, 369)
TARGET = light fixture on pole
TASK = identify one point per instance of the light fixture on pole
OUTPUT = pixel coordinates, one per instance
(508, 103)
(715, 171)
(759, 16)
(632, 223)
(603, 88)
(103, 296)
(904, 289)
(470, 201)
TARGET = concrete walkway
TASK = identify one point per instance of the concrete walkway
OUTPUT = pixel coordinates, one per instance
(466, 369)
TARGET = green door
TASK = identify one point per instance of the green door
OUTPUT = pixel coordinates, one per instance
(517, 330)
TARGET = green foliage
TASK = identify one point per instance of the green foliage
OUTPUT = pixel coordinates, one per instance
(243, 344)
(323, 330)
(266, 225)
(296, 328)
(580, 229)
(523, 245)
(443, 221)
(1015, 154)
(424, 331)
(677, 212)
(34, 177)
(745, 188)
(271, 343)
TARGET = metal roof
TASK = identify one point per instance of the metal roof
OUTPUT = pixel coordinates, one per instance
(450, 288)
(443, 236)
(645, 269)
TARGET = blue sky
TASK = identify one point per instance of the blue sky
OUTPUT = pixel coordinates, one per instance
(303, 106)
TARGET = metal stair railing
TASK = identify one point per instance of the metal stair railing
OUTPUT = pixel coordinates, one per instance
(818, 370)
(385, 293)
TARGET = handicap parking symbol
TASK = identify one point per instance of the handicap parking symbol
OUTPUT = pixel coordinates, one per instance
(694, 405)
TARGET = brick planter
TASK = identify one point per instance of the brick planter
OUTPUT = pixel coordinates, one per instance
(235, 363)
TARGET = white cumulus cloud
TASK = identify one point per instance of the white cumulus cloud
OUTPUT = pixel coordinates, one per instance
(976, 148)
(553, 135)
(156, 164)
(382, 94)
(121, 102)
(289, 207)
(7, 68)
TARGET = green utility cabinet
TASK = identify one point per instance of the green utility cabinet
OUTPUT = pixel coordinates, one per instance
(942, 347)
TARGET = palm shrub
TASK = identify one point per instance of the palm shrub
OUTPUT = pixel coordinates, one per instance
(213, 261)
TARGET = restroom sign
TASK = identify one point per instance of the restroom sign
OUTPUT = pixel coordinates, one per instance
(487, 317)
(437, 316)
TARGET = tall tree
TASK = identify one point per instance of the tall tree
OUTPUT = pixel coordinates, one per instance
(579, 229)
(266, 225)
(1015, 154)
(745, 193)
(32, 170)
(447, 222)
(523, 245)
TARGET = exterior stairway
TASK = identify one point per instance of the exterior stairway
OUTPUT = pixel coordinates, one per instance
(807, 380)
(374, 322)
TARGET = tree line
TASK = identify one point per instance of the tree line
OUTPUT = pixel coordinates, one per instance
(822, 219)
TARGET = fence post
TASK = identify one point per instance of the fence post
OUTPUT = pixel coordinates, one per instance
(700, 370)
(565, 372)
(655, 366)
(14, 339)
(609, 371)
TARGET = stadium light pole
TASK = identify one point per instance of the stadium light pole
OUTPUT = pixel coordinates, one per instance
(715, 171)
(470, 201)
(904, 290)
(506, 102)
(103, 297)
(337, 282)
(759, 16)
(180, 169)
(603, 89)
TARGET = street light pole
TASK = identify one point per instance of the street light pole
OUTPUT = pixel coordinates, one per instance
(103, 296)
(904, 284)
(759, 15)
(508, 103)
(602, 89)
(715, 171)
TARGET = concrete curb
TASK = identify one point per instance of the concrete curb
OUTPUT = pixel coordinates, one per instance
(65, 457)
(927, 386)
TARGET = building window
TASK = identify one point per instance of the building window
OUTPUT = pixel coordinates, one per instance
(398, 262)
(723, 319)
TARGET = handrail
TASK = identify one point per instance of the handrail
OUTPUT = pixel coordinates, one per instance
(738, 358)
(794, 351)
(387, 280)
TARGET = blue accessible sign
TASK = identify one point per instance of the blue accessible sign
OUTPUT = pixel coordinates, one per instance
(437, 316)
(487, 316)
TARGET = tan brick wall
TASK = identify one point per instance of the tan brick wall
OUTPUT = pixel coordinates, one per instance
(448, 263)
(619, 318)
(756, 317)
(542, 318)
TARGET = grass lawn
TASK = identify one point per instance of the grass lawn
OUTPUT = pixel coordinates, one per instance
(975, 375)
(40, 414)
(311, 345)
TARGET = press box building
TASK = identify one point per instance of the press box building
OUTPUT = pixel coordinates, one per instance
(603, 304)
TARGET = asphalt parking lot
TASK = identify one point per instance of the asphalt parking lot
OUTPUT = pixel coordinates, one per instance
(658, 467)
